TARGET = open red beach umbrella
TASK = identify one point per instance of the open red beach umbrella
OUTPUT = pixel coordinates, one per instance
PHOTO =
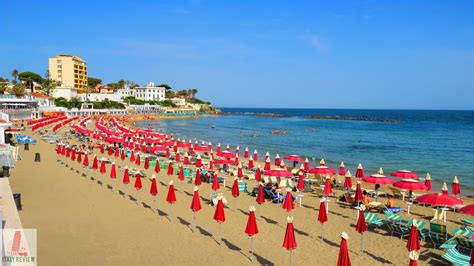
(342, 169)
(300, 181)
(358, 193)
(251, 163)
(279, 173)
(456, 188)
(404, 174)
(215, 183)
(293, 158)
(138, 182)
(410, 184)
(288, 204)
(137, 159)
(290, 240)
(157, 166)
(86, 160)
(147, 163)
(377, 179)
(439, 199)
(122, 155)
(267, 166)
(102, 167)
(361, 226)
(360, 171)
(73, 155)
(126, 177)
(413, 242)
(226, 154)
(468, 209)
(260, 196)
(240, 172)
(246, 153)
(428, 182)
(343, 259)
(219, 215)
(113, 173)
(255, 155)
(327, 187)
(306, 164)
(170, 168)
(153, 187)
(235, 188)
(181, 173)
(258, 174)
(322, 215)
(79, 157)
(197, 180)
(196, 202)
(322, 170)
(348, 180)
(277, 160)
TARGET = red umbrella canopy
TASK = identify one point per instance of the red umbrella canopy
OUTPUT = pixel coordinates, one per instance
(126, 177)
(439, 199)
(428, 182)
(260, 196)
(171, 196)
(138, 182)
(225, 161)
(235, 188)
(358, 193)
(252, 228)
(288, 205)
(215, 183)
(322, 215)
(361, 226)
(405, 174)
(290, 241)
(348, 180)
(322, 170)
(219, 214)
(327, 187)
(360, 171)
(377, 179)
(226, 154)
(413, 240)
(294, 158)
(469, 209)
(343, 259)
(300, 181)
(410, 184)
(279, 173)
(153, 188)
(196, 202)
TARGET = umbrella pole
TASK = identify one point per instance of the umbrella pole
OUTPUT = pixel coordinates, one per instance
(137, 196)
(170, 216)
(220, 236)
(154, 200)
(235, 199)
(322, 238)
(362, 243)
(291, 251)
(251, 248)
(194, 221)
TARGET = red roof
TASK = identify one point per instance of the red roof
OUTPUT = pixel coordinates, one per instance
(40, 95)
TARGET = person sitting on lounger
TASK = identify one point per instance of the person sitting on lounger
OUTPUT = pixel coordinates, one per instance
(366, 198)
(390, 202)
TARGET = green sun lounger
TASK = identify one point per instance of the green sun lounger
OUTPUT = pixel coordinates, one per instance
(373, 219)
(453, 256)
(422, 231)
(398, 229)
(438, 234)
(468, 222)
(392, 216)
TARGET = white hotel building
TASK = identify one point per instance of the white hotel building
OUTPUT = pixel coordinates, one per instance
(150, 92)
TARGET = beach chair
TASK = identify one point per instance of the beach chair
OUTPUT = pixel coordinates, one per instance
(390, 216)
(266, 180)
(243, 186)
(468, 222)
(398, 192)
(286, 182)
(453, 256)
(423, 233)
(398, 229)
(273, 179)
(438, 234)
(373, 219)
(464, 243)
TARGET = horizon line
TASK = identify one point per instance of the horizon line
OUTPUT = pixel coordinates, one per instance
(333, 108)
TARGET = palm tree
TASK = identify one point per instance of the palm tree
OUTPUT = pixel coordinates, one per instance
(15, 74)
(194, 92)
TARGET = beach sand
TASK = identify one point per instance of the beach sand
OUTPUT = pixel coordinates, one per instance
(82, 222)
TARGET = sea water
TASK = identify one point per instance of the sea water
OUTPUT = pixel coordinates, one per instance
(438, 142)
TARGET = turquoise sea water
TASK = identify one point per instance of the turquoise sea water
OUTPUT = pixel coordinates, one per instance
(438, 142)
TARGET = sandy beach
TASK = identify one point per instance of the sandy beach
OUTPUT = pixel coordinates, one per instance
(84, 217)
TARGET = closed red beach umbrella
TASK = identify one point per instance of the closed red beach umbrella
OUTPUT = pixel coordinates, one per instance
(456, 188)
(236, 159)
(358, 193)
(102, 148)
(171, 196)
(360, 171)
(110, 151)
(122, 155)
(237, 151)
(73, 155)
(58, 149)
(342, 169)
(153, 187)
(235, 188)
(211, 164)
(444, 189)
(255, 155)
(260, 195)
(215, 183)
(218, 148)
(138, 182)
(102, 167)
(177, 157)
(113, 173)
(322, 162)
(428, 182)
(277, 160)
(117, 152)
(86, 160)
(252, 228)
(219, 214)
(68, 152)
(167, 153)
(258, 175)
(246, 153)
(147, 163)
(250, 163)
(95, 163)
(288, 204)
(290, 240)
(267, 164)
(132, 157)
(267, 155)
(327, 187)
(181, 173)
(361, 226)
(157, 166)
(343, 259)
(300, 181)
(198, 161)
(170, 168)
(186, 159)
(413, 242)
(240, 173)
(322, 215)
(79, 157)
(137, 159)
(306, 164)
(197, 180)
(196, 202)
(348, 180)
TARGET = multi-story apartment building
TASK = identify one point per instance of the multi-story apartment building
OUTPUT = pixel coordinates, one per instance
(70, 70)
(150, 92)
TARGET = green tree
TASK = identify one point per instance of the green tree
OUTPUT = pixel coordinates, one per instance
(48, 84)
(29, 78)
(18, 90)
(15, 73)
(170, 94)
(92, 82)
(3, 88)
(166, 86)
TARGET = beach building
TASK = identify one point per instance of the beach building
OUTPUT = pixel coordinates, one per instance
(127, 92)
(150, 92)
(18, 107)
(4, 124)
(178, 101)
(65, 92)
(99, 97)
(70, 70)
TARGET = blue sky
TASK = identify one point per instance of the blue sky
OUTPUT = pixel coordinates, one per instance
(308, 54)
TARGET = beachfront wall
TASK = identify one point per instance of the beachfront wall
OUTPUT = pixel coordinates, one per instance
(88, 112)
